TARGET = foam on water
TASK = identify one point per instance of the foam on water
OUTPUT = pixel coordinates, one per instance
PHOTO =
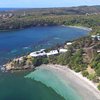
(54, 81)
(26, 48)
(57, 38)
(14, 51)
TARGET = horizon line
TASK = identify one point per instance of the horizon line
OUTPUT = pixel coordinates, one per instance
(47, 7)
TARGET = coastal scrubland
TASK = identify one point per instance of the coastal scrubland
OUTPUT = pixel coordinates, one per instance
(87, 16)
(91, 21)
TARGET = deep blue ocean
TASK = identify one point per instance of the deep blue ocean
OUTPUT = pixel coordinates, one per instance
(9, 9)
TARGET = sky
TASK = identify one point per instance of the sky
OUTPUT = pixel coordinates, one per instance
(45, 3)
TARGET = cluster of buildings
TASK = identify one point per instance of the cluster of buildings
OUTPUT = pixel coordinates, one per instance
(36, 54)
(96, 37)
(87, 14)
(6, 15)
(43, 53)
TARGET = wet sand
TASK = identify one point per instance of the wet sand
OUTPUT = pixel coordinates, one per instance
(84, 87)
(66, 82)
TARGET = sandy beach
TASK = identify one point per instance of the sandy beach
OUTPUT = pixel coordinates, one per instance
(81, 27)
(86, 89)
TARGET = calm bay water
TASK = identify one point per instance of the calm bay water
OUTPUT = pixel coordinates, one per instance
(17, 43)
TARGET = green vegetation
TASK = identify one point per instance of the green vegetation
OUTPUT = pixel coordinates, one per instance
(39, 61)
(96, 64)
(50, 17)
(99, 86)
(91, 21)
(63, 59)
(85, 73)
(91, 76)
(77, 62)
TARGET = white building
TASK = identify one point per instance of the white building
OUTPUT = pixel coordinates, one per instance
(98, 51)
(69, 43)
(53, 52)
(96, 37)
(38, 53)
(93, 36)
(62, 50)
(42, 53)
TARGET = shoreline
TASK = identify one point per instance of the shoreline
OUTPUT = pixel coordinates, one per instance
(10, 30)
(85, 88)
(80, 27)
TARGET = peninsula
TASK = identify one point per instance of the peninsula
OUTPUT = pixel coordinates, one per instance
(81, 55)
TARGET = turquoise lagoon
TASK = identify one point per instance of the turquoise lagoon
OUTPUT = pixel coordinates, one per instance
(55, 81)
(16, 87)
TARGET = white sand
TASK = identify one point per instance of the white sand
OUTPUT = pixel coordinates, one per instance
(84, 87)
(66, 82)
(81, 27)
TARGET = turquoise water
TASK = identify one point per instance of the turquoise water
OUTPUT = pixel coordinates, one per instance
(54, 81)
(17, 43)
(16, 87)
